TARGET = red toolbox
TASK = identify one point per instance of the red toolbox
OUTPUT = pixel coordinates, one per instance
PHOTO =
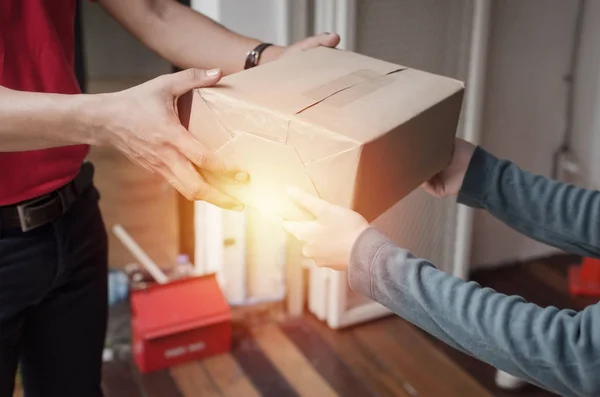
(183, 320)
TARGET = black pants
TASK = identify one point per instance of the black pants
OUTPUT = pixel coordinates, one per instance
(53, 304)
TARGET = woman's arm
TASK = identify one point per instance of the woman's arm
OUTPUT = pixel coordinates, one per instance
(555, 349)
(551, 212)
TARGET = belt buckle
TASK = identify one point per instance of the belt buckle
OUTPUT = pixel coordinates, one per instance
(24, 217)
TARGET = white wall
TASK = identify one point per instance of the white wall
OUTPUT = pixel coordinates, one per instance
(111, 52)
(432, 35)
(586, 125)
(524, 112)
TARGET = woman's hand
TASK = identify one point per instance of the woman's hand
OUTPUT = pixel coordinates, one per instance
(328, 239)
(143, 123)
(449, 181)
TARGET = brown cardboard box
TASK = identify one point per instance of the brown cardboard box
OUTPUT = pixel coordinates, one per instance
(356, 131)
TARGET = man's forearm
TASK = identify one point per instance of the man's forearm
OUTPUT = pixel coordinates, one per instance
(182, 36)
(30, 121)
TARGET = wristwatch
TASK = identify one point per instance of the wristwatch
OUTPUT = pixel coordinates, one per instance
(253, 56)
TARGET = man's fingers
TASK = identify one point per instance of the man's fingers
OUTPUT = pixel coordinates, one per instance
(323, 39)
(307, 252)
(309, 202)
(181, 82)
(206, 160)
(193, 187)
(302, 230)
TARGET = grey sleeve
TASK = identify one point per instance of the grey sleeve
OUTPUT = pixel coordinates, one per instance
(558, 214)
(556, 349)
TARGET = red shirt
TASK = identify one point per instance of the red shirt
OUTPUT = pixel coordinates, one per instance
(37, 54)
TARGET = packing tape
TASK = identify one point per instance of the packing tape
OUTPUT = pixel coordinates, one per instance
(350, 87)
(341, 83)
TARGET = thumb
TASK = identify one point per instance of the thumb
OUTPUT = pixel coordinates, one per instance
(180, 83)
(299, 229)
(323, 39)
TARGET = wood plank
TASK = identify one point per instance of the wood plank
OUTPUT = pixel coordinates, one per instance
(557, 281)
(415, 365)
(440, 368)
(159, 384)
(259, 369)
(187, 231)
(18, 391)
(366, 365)
(229, 377)
(291, 363)
(193, 380)
(549, 276)
(294, 277)
(142, 202)
(324, 359)
(118, 380)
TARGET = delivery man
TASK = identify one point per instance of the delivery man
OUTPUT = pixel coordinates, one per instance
(53, 249)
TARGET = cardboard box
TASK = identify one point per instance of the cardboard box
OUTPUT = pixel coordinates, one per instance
(178, 322)
(356, 131)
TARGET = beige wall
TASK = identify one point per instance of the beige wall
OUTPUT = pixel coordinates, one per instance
(111, 52)
(524, 109)
(433, 35)
(524, 112)
(586, 128)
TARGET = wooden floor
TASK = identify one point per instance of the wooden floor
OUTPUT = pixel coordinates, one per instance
(389, 357)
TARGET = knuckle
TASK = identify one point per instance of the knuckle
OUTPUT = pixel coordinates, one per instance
(189, 196)
(199, 190)
(201, 159)
(306, 250)
(193, 74)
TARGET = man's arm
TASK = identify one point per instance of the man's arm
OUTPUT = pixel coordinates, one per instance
(31, 121)
(187, 38)
(555, 349)
(140, 122)
(552, 212)
(182, 36)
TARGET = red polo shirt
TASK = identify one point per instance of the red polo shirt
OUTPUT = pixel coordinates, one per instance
(37, 55)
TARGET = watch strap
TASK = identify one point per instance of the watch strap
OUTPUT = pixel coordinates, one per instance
(253, 56)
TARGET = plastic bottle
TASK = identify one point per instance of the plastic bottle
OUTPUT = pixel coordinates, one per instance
(184, 267)
(118, 286)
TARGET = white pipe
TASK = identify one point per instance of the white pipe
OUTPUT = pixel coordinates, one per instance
(324, 16)
(345, 23)
(284, 28)
(474, 97)
(140, 255)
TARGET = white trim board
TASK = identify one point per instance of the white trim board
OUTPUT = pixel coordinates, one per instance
(328, 289)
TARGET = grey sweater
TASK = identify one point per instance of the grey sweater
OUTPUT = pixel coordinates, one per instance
(556, 349)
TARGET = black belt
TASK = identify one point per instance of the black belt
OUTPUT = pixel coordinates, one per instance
(39, 211)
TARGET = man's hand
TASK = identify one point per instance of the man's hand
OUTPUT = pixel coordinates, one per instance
(449, 181)
(328, 239)
(142, 122)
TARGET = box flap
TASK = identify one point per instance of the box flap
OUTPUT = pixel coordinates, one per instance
(334, 176)
(178, 306)
(266, 191)
(318, 73)
(364, 112)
